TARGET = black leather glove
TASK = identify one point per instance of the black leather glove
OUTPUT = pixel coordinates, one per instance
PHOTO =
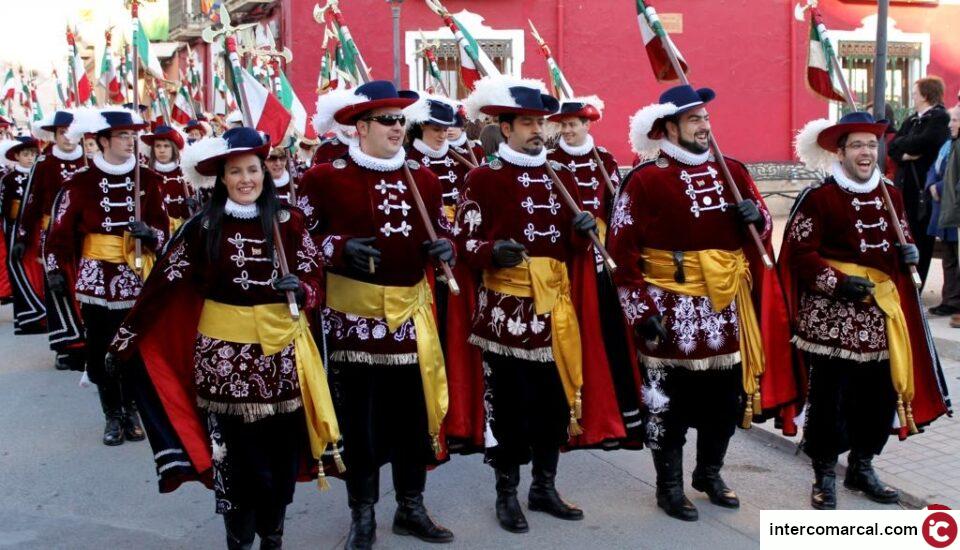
(56, 281)
(290, 282)
(854, 288)
(749, 212)
(359, 252)
(652, 329)
(112, 365)
(138, 229)
(909, 253)
(17, 251)
(507, 253)
(441, 249)
(584, 223)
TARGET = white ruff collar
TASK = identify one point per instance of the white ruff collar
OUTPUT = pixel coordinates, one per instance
(114, 169)
(63, 155)
(21, 169)
(283, 180)
(241, 211)
(165, 166)
(459, 141)
(577, 150)
(377, 164)
(848, 184)
(419, 145)
(521, 159)
(681, 155)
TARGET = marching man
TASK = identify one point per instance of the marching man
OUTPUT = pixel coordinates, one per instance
(858, 319)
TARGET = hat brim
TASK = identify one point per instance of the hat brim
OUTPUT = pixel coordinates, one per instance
(351, 113)
(829, 138)
(211, 166)
(149, 139)
(12, 152)
(588, 112)
(497, 110)
(141, 126)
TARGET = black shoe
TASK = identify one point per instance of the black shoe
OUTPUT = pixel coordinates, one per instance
(62, 362)
(823, 496)
(132, 430)
(716, 490)
(543, 496)
(706, 476)
(240, 525)
(362, 494)
(862, 477)
(412, 520)
(943, 310)
(509, 514)
(670, 497)
(270, 526)
(113, 431)
(112, 406)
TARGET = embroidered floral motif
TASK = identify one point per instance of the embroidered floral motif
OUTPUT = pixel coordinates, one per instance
(826, 281)
(516, 326)
(90, 278)
(303, 203)
(63, 206)
(123, 338)
(694, 328)
(227, 372)
(632, 303)
(176, 263)
(839, 327)
(328, 246)
(802, 227)
(307, 254)
(621, 213)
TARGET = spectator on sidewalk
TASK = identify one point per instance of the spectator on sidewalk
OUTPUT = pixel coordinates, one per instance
(914, 150)
(950, 295)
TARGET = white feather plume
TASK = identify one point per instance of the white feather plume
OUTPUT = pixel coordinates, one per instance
(809, 151)
(640, 125)
(234, 117)
(419, 111)
(495, 90)
(346, 134)
(195, 153)
(39, 132)
(591, 100)
(5, 146)
(85, 120)
(329, 103)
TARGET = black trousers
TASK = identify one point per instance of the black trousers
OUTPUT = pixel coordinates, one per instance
(527, 409)
(950, 295)
(917, 208)
(851, 407)
(383, 418)
(709, 401)
(101, 324)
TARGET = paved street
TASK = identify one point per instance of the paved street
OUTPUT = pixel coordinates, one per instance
(61, 488)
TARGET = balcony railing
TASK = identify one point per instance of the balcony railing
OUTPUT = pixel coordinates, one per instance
(186, 19)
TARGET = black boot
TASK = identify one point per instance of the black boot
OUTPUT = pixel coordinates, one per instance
(509, 513)
(362, 494)
(240, 526)
(413, 520)
(543, 496)
(861, 477)
(270, 526)
(132, 430)
(62, 362)
(112, 406)
(824, 493)
(670, 497)
(706, 476)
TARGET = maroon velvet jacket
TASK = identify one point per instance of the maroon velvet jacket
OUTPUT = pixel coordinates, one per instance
(361, 196)
(506, 200)
(680, 205)
(175, 191)
(447, 169)
(850, 226)
(49, 176)
(99, 200)
(594, 194)
(462, 144)
(328, 151)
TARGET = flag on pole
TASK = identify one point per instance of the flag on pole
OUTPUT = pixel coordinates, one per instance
(183, 110)
(469, 51)
(108, 74)
(148, 59)
(656, 41)
(291, 102)
(266, 111)
(219, 95)
(35, 104)
(9, 86)
(821, 76)
(82, 85)
(61, 96)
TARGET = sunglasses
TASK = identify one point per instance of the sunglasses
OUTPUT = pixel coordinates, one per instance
(387, 120)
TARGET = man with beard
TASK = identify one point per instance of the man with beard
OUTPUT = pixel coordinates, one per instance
(858, 320)
(686, 262)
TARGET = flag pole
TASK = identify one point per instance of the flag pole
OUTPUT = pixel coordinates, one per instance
(651, 16)
(137, 214)
(334, 7)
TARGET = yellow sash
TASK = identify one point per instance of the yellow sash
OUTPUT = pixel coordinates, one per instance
(546, 281)
(397, 304)
(602, 230)
(117, 250)
(271, 326)
(450, 212)
(14, 209)
(175, 224)
(723, 276)
(887, 298)
(45, 222)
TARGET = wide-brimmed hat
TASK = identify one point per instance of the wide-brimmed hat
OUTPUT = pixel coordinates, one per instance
(202, 160)
(11, 147)
(857, 121)
(46, 127)
(647, 124)
(590, 108)
(431, 109)
(499, 95)
(818, 141)
(376, 94)
(194, 124)
(164, 132)
(90, 120)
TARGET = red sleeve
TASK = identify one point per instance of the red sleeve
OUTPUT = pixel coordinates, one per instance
(474, 244)
(60, 248)
(312, 189)
(625, 241)
(803, 235)
(152, 210)
(303, 259)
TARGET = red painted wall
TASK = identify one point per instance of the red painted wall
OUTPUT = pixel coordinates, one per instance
(741, 48)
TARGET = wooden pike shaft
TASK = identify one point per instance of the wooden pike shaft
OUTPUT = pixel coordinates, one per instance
(428, 224)
(137, 214)
(572, 205)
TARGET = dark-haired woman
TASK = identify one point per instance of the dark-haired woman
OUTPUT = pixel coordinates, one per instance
(242, 387)
(165, 144)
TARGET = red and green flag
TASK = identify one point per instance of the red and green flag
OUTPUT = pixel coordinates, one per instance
(108, 74)
(9, 86)
(821, 73)
(658, 44)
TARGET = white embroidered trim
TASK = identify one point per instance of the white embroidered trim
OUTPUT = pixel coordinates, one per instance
(521, 159)
(365, 358)
(21, 169)
(64, 155)
(373, 163)
(539, 355)
(834, 352)
(577, 150)
(680, 154)
(717, 362)
(283, 180)
(459, 141)
(419, 145)
(113, 169)
(241, 211)
(165, 166)
(852, 186)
